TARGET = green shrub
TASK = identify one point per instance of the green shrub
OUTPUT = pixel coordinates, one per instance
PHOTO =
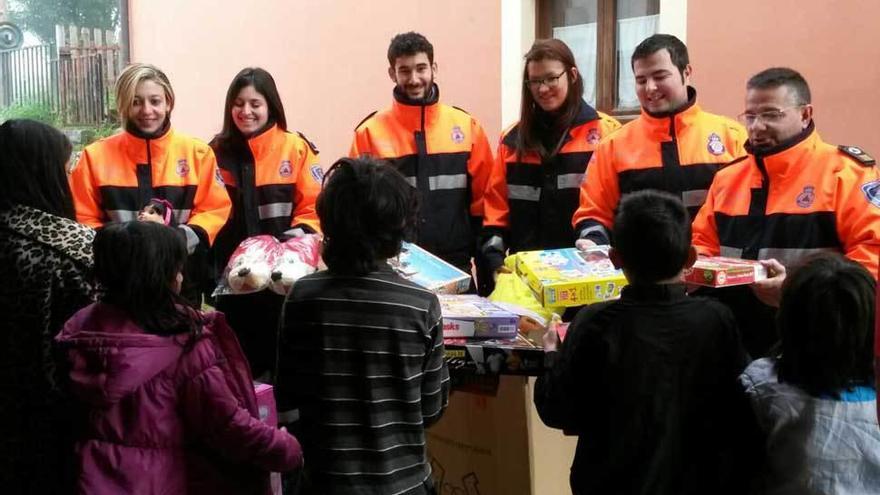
(34, 110)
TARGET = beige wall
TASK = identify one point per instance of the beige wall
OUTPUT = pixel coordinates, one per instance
(328, 57)
(833, 44)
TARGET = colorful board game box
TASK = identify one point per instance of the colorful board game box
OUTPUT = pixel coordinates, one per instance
(473, 316)
(515, 356)
(423, 268)
(570, 277)
(718, 271)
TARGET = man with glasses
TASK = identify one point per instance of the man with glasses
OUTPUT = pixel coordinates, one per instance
(791, 196)
(440, 149)
(672, 146)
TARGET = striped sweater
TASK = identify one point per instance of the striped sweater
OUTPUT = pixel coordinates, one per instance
(361, 360)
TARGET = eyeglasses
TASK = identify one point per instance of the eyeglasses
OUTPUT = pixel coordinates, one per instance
(549, 81)
(769, 117)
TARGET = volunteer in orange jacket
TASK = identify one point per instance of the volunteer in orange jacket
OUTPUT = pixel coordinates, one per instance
(672, 146)
(792, 195)
(542, 159)
(273, 178)
(440, 149)
(116, 176)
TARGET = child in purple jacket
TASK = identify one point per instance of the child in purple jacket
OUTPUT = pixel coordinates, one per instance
(166, 400)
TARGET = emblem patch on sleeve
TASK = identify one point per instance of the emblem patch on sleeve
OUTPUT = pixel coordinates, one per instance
(317, 173)
(872, 192)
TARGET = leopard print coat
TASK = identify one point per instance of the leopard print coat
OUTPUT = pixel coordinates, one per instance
(44, 271)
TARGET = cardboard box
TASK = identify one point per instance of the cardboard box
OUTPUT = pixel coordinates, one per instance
(423, 268)
(570, 277)
(473, 316)
(718, 271)
(496, 444)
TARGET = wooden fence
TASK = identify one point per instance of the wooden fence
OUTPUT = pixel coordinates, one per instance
(73, 78)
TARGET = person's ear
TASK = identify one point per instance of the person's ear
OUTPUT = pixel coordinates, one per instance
(691, 257)
(806, 115)
(615, 258)
(687, 73)
(392, 74)
(573, 74)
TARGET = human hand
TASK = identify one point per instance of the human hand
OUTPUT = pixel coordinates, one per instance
(769, 290)
(550, 339)
(584, 244)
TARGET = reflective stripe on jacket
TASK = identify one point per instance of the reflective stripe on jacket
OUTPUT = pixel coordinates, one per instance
(788, 202)
(444, 153)
(116, 176)
(677, 153)
(536, 199)
(273, 183)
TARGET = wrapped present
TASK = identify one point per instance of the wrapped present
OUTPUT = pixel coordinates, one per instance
(266, 403)
(570, 277)
(718, 271)
(476, 317)
(423, 268)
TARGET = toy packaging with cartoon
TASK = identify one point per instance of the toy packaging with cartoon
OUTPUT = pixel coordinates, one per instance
(570, 277)
(423, 268)
(468, 315)
(262, 262)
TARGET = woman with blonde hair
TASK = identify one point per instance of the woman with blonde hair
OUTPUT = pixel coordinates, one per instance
(116, 176)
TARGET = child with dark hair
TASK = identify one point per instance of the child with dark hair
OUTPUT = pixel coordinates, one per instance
(649, 382)
(360, 370)
(816, 400)
(166, 400)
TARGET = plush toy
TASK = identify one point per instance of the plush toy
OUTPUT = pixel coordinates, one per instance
(299, 257)
(250, 266)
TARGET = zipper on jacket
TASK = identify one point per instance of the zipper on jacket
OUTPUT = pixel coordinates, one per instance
(144, 173)
(422, 182)
(672, 174)
(757, 213)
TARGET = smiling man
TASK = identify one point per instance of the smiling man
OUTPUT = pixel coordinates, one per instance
(672, 146)
(440, 149)
(792, 195)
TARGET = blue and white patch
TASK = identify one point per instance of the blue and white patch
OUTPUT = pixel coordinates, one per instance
(457, 135)
(218, 177)
(715, 146)
(872, 192)
(284, 170)
(593, 136)
(317, 173)
(806, 197)
(182, 167)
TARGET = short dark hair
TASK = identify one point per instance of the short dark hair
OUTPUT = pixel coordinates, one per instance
(826, 326)
(33, 157)
(775, 77)
(366, 209)
(263, 83)
(652, 234)
(136, 264)
(407, 45)
(678, 52)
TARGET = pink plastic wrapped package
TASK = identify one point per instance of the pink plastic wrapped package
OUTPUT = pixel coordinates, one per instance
(299, 257)
(250, 266)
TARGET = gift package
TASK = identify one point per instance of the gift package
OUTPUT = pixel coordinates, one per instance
(423, 268)
(718, 271)
(472, 316)
(570, 277)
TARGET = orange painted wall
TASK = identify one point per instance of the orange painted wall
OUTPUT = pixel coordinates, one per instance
(833, 44)
(328, 57)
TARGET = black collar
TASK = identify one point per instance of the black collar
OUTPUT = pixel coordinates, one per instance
(432, 98)
(779, 148)
(654, 292)
(136, 132)
(692, 100)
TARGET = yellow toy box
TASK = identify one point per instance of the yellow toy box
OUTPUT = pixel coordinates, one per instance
(570, 277)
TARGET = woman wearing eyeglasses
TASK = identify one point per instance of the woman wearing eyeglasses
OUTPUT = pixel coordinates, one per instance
(542, 159)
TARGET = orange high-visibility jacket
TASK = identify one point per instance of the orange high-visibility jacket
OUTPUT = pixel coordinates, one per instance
(677, 153)
(273, 180)
(793, 200)
(536, 200)
(116, 176)
(444, 153)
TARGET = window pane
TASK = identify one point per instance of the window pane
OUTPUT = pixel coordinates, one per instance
(636, 20)
(574, 22)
